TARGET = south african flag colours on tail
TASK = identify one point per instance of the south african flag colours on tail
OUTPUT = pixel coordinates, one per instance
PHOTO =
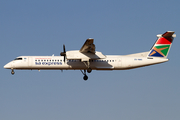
(162, 45)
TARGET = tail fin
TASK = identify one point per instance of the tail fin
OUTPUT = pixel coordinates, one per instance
(162, 45)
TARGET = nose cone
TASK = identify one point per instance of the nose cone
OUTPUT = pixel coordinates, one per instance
(7, 66)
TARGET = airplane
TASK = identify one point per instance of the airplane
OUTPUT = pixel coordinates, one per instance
(87, 59)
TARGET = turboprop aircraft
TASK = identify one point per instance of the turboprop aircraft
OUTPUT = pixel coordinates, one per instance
(87, 59)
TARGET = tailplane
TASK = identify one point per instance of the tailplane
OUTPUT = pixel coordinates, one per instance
(162, 45)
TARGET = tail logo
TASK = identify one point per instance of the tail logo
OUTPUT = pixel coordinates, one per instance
(162, 46)
(159, 51)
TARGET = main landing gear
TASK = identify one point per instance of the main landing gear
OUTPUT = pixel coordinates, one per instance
(84, 73)
(89, 70)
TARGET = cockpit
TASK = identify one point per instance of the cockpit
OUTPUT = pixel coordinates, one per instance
(18, 59)
(18, 62)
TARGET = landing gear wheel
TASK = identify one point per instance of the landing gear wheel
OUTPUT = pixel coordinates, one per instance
(85, 77)
(89, 70)
(12, 72)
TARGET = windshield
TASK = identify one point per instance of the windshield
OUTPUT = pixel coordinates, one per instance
(18, 59)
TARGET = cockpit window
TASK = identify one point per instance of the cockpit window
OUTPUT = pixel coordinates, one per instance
(18, 59)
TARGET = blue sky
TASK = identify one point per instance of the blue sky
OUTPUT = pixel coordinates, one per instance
(118, 27)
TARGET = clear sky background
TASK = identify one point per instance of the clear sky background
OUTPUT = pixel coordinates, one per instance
(41, 27)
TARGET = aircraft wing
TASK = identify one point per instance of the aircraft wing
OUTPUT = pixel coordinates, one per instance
(86, 53)
(88, 46)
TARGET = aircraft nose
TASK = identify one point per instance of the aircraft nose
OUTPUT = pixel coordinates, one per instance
(7, 66)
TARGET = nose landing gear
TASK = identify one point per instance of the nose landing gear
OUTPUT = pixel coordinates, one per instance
(12, 72)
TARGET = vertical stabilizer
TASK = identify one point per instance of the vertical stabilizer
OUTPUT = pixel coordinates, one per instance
(162, 45)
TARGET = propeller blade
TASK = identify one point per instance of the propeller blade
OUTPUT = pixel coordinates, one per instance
(64, 58)
(64, 49)
(63, 53)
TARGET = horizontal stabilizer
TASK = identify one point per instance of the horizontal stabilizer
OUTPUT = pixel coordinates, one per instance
(168, 34)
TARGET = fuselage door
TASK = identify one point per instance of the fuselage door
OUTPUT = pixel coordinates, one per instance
(30, 60)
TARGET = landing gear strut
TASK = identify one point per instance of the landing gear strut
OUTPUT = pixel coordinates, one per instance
(85, 76)
(12, 72)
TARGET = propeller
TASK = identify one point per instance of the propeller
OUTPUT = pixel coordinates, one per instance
(63, 53)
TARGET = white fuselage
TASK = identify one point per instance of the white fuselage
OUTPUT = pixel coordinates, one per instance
(111, 62)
